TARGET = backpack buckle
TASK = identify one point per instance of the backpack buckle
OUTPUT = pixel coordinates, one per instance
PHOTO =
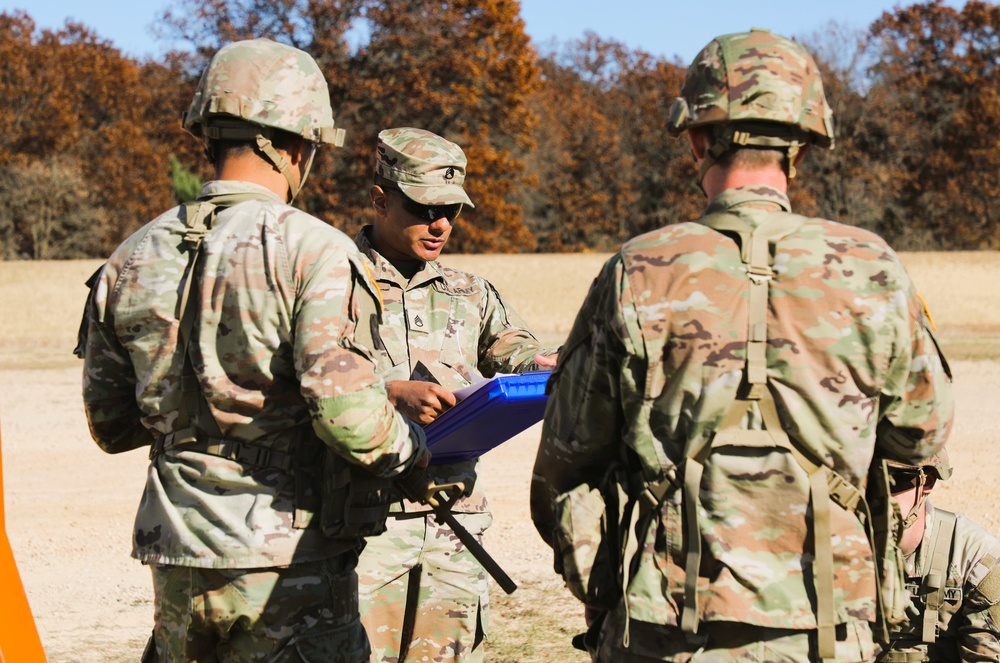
(843, 492)
(759, 274)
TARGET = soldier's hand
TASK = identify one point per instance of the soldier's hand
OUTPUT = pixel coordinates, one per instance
(547, 361)
(422, 402)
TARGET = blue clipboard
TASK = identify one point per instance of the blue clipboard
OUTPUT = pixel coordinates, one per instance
(504, 407)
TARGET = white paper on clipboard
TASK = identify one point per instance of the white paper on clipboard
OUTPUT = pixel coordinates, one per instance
(465, 392)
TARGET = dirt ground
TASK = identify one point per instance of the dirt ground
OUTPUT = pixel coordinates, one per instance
(69, 507)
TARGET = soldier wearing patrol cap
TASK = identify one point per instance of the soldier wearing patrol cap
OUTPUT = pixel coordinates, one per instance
(722, 393)
(952, 575)
(423, 596)
(221, 337)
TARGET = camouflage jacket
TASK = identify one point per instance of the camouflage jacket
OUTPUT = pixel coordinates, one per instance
(653, 363)
(272, 351)
(968, 624)
(457, 326)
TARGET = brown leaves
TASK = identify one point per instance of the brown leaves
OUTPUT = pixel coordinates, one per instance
(75, 99)
(938, 88)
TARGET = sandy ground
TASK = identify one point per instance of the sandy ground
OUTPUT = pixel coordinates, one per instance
(70, 509)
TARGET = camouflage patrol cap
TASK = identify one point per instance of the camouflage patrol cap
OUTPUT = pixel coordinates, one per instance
(755, 77)
(427, 168)
(939, 463)
(264, 83)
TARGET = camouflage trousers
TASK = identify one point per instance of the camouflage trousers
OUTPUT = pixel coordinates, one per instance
(724, 642)
(423, 596)
(301, 613)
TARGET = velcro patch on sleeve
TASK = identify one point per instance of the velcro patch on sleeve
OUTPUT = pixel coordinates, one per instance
(990, 587)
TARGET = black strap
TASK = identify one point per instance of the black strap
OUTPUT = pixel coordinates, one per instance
(246, 453)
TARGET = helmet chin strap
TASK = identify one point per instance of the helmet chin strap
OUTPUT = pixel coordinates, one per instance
(281, 163)
(918, 505)
(239, 130)
(308, 166)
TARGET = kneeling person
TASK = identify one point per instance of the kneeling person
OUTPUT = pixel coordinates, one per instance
(953, 574)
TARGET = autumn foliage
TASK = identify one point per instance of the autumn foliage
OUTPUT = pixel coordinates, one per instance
(567, 149)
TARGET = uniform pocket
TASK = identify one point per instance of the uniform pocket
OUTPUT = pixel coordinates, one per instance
(460, 335)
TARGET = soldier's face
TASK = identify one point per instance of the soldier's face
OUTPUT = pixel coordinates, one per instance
(908, 490)
(406, 232)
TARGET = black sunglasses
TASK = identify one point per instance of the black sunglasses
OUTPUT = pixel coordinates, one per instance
(429, 213)
(904, 480)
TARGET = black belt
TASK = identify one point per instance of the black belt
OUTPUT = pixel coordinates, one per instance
(246, 453)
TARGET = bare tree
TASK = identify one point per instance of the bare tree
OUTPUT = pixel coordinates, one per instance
(47, 212)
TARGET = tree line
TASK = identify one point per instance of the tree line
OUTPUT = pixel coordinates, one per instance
(567, 148)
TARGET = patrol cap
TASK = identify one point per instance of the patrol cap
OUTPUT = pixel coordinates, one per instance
(939, 463)
(427, 168)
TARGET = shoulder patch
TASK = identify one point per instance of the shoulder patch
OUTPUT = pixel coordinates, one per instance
(374, 284)
(927, 312)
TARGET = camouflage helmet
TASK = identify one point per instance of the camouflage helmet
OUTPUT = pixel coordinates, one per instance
(250, 88)
(264, 83)
(938, 463)
(427, 168)
(754, 88)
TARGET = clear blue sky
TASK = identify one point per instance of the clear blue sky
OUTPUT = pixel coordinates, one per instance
(662, 27)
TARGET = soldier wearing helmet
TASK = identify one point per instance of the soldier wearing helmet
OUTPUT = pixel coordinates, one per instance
(282, 105)
(952, 574)
(221, 337)
(423, 596)
(723, 390)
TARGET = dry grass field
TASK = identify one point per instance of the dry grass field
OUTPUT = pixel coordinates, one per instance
(69, 507)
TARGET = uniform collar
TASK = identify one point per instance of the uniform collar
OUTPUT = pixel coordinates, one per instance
(757, 196)
(215, 188)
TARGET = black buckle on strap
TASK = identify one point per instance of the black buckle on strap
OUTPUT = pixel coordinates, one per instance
(252, 454)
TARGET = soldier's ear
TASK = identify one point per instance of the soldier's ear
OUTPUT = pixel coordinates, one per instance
(380, 200)
(802, 154)
(698, 138)
(297, 152)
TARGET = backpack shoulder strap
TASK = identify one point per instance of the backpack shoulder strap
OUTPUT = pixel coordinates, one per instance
(755, 252)
(199, 217)
(193, 412)
(937, 573)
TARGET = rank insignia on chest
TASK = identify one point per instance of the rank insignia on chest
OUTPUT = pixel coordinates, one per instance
(417, 322)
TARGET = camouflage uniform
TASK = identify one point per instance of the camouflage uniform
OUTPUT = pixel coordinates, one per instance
(417, 578)
(240, 568)
(968, 623)
(650, 371)
(952, 576)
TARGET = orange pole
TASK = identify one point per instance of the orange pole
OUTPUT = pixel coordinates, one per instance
(19, 641)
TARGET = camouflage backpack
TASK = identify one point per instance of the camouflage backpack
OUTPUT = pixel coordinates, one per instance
(596, 534)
